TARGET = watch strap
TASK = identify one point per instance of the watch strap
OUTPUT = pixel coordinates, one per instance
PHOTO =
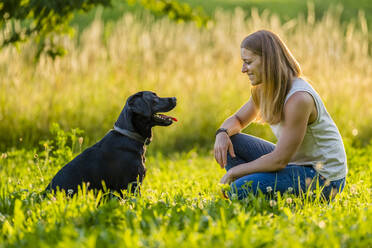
(220, 130)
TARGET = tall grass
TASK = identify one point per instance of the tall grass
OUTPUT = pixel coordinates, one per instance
(201, 67)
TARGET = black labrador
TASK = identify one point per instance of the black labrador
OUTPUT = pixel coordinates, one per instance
(118, 160)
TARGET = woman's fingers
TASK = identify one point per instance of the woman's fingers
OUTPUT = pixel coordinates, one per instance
(220, 156)
(223, 158)
(217, 155)
(226, 179)
(222, 145)
(231, 149)
(223, 179)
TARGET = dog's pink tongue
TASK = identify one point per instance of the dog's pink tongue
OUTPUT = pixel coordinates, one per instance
(171, 117)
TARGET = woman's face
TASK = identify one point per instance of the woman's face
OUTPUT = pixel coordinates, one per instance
(252, 66)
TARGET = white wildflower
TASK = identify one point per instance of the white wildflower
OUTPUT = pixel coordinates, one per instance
(355, 132)
(268, 189)
(322, 224)
(353, 189)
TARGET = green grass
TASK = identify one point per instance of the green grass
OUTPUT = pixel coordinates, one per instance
(180, 206)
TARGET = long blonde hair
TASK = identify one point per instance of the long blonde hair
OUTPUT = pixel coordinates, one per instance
(279, 67)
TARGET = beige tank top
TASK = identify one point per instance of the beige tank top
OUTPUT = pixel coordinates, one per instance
(322, 146)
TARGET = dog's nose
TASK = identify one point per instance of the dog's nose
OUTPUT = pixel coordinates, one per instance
(173, 100)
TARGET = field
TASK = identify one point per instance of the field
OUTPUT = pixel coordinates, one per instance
(181, 204)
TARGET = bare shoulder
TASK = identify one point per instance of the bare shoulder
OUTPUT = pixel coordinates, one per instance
(299, 106)
(299, 100)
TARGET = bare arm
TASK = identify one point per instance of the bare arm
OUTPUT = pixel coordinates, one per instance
(296, 112)
(233, 124)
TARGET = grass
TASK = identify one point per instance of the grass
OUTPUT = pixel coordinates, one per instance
(180, 206)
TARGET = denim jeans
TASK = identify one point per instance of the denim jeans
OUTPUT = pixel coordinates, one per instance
(293, 178)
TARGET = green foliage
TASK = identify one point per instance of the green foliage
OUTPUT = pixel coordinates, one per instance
(43, 21)
(175, 10)
(180, 206)
(64, 143)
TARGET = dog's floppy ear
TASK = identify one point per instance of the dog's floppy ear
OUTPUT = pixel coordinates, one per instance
(139, 105)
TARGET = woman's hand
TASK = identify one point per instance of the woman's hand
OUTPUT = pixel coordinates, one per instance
(228, 177)
(221, 146)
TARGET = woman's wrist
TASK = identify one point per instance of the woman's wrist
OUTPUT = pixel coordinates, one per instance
(231, 173)
(236, 172)
(221, 130)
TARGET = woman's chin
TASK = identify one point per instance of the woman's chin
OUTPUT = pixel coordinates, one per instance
(255, 83)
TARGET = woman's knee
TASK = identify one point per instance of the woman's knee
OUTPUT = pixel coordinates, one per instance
(238, 139)
(249, 147)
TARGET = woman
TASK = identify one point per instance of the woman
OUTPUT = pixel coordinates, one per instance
(309, 150)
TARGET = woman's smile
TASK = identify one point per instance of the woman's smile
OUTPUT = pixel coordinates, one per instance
(251, 66)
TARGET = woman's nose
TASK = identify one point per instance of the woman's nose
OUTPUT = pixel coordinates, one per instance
(244, 68)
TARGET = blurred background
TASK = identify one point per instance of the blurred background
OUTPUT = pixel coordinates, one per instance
(119, 50)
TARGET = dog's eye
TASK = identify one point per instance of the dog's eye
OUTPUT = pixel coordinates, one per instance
(155, 100)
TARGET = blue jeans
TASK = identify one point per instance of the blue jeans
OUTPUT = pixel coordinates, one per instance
(293, 178)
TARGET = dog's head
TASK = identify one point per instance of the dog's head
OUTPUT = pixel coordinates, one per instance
(143, 111)
(147, 106)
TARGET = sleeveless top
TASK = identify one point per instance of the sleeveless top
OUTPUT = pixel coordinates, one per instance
(322, 146)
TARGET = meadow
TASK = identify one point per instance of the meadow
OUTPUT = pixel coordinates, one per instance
(179, 206)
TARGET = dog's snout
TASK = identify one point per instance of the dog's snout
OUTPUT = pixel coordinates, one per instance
(173, 100)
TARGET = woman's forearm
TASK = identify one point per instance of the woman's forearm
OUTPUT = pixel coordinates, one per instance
(235, 123)
(232, 124)
(266, 163)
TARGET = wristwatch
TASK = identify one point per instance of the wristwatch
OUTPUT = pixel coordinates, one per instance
(220, 130)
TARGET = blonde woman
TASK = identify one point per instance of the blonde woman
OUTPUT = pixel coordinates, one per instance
(309, 150)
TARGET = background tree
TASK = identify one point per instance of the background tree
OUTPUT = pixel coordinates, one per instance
(43, 20)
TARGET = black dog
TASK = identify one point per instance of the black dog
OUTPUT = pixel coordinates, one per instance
(117, 160)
